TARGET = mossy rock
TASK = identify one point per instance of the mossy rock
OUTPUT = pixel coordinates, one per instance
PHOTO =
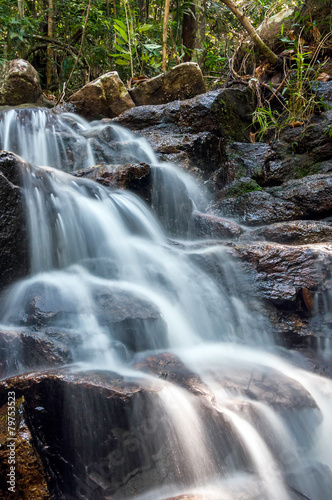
(18, 452)
(232, 113)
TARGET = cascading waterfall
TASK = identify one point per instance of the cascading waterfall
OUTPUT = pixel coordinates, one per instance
(94, 249)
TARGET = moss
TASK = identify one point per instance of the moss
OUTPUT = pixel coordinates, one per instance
(30, 476)
(240, 188)
(305, 170)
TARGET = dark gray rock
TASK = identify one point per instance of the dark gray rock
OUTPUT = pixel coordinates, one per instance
(309, 197)
(14, 259)
(135, 176)
(193, 132)
(256, 208)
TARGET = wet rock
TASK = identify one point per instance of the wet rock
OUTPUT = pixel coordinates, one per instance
(226, 112)
(30, 476)
(181, 82)
(14, 261)
(192, 132)
(9, 347)
(246, 160)
(26, 350)
(19, 83)
(104, 97)
(169, 367)
(124, 444)
(313, 194)
(200, 153)
(300, 232)
(132, 320)
(310, 197)
(281, 272)
(129, 318)
(206, 225)
(262, 384)
(45, 349)
(136, 177)
(256, 208)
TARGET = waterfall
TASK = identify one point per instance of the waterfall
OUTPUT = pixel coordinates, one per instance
(104, 273)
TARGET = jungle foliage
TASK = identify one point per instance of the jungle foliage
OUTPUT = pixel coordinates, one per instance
(122, 35)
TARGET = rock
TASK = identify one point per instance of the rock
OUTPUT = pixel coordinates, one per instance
(136, 177)
(214, 227)
(169, 367)
(217, 111)
(324, 91)
(300, 232)
(14, 260)
(104, 97)
(27, 350)
(9, 348)
(129, 319)
(19, 83)
(247, 58)
(246, 160)
(192, 132)
(263, 384)
(281, 271)
(124, 444)
(256, 208)
(132, 320)
(310, 197)
(313, 194)
(181, 82)
(31, 479)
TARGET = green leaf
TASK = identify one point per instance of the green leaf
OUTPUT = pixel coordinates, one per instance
(121, 32)
(145, 27)
(120, 48)
(121, 24)
(122, 62)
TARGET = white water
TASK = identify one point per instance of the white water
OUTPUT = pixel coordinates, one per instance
(95, 251)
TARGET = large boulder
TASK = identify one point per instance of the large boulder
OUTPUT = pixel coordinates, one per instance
(14, 260)
(105, 97)
(181, 82)
(124, 444)
(19, 83)
(193, 132)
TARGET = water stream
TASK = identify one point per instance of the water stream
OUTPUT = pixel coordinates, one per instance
(95, 249)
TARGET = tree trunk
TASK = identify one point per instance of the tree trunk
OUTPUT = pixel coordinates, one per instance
(166, 16)
(193, 31)
(49, 63)
(261, 46)
(20, 6)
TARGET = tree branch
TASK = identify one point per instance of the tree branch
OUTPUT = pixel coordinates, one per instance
(262, 47)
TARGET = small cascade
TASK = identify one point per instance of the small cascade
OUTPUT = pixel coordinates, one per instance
(236, 419)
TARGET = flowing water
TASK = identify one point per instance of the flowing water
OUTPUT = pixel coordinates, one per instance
(95, 249)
